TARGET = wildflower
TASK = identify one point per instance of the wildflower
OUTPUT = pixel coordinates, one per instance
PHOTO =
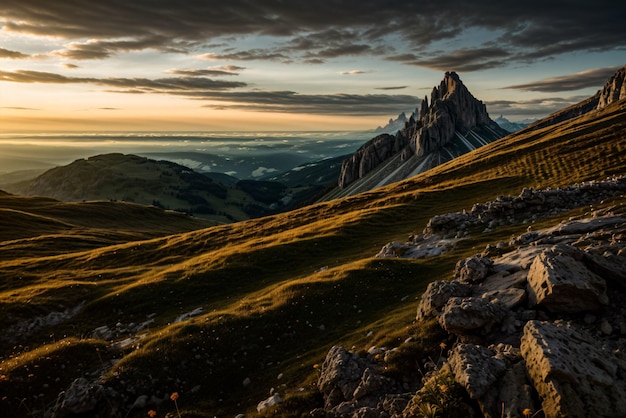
(152, 413)
(378, 356)
(527, 412)
(316, 366)
(174, 396)
(444, 388)
(442, 345)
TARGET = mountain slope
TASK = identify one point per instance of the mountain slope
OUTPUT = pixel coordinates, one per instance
(223, 315)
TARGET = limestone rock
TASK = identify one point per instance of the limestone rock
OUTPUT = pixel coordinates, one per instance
(476, 368)
(472, 269)
(269, 402)
(573, 374)
(560, 283)
(464, 315)
(340, 376)
(437, 295)
(513, 394)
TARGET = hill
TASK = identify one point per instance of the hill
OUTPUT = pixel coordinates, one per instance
(227, 315)
(165, 184)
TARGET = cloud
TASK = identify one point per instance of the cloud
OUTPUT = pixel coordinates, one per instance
(327, 104)
(15, 55)
(134, 85)
(101, 49)
(201, 88)
(517, 32)
(70, 66)
(352, 72)
(538, 107)
(250, 55)
(392, 88)
(19, 108)
(466, 59)
(203, 72)
(590, 78)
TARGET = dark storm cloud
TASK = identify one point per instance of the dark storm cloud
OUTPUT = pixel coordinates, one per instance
(327, 104)
(591, 78)
(530, 30)
(6, 53)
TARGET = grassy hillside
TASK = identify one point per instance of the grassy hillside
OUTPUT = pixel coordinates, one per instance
(265, 298)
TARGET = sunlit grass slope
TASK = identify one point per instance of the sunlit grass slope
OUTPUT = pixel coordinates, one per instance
(275, 293)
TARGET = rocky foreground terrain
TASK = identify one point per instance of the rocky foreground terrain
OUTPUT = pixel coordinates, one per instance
(533, 327)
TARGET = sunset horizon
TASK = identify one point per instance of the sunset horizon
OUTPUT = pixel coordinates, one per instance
(84, 66)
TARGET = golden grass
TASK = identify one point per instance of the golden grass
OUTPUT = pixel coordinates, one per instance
(276, 292)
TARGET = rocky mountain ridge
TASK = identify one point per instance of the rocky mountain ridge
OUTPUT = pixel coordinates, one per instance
(533, 324)
(454, 123)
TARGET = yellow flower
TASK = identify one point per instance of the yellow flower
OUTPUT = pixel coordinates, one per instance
(444, 388)
(442, 345)
(378, 356)
(174, 396)
(527, 412)
(152, 413)
(316, 366)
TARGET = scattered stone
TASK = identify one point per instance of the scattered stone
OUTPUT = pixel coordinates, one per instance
(269, 402)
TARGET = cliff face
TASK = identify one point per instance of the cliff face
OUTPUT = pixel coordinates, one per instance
(452, 110)
(614, 89)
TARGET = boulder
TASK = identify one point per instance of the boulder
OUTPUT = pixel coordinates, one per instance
(476, 368)
(340, 376)
(464, 315)
(573, 374)
(472, 269)
(437, 295)
(560, 283)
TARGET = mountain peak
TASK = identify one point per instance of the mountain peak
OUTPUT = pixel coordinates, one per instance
(442, 127)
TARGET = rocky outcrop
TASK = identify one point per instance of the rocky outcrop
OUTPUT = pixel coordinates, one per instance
(370, 156)
(452, 108)
(614, 89)
(538, 322)
(453, 113)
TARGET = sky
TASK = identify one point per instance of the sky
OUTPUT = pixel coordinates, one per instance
(262, 65)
